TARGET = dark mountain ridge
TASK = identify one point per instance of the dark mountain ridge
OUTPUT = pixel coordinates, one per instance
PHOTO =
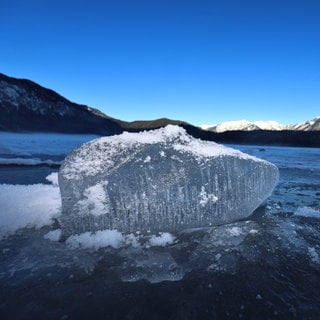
(26, 106)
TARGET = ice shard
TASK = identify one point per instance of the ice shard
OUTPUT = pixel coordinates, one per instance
(160, 180)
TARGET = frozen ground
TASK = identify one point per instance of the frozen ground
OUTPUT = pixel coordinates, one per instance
(265, 267)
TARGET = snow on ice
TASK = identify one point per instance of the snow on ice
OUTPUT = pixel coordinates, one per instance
(162, 240)
(307, 212)
(28, 206)
(100, 239)
(53, 178)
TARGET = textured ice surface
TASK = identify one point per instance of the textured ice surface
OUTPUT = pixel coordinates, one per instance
(161, 180)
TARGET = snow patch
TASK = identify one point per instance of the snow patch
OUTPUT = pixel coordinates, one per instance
(307, 212)
(164, 239)
(235, 231)
(147, 159)
(28, 206)
(132, 240)
(207, 126)
(314, 256)
(204, 198)
(97, 240)
(53, 178)
(113, 238)
(95, 201)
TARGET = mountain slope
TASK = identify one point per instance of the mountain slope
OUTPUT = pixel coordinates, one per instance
(310, 125)
(27, 106)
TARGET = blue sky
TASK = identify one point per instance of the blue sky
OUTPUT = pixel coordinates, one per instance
(198, 61)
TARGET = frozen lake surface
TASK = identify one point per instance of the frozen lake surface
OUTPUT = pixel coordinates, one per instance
(265, 267)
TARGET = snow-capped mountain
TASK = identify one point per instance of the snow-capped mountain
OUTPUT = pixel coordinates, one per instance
(244, 125)
(310, 125)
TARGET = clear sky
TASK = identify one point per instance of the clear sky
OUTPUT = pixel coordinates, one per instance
(198, 61)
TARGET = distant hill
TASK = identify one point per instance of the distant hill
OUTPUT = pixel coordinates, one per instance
(26, 106)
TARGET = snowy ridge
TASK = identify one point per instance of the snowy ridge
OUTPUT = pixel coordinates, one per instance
(313, 124)
(244, 125)
(90, 160)
(270, 125)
